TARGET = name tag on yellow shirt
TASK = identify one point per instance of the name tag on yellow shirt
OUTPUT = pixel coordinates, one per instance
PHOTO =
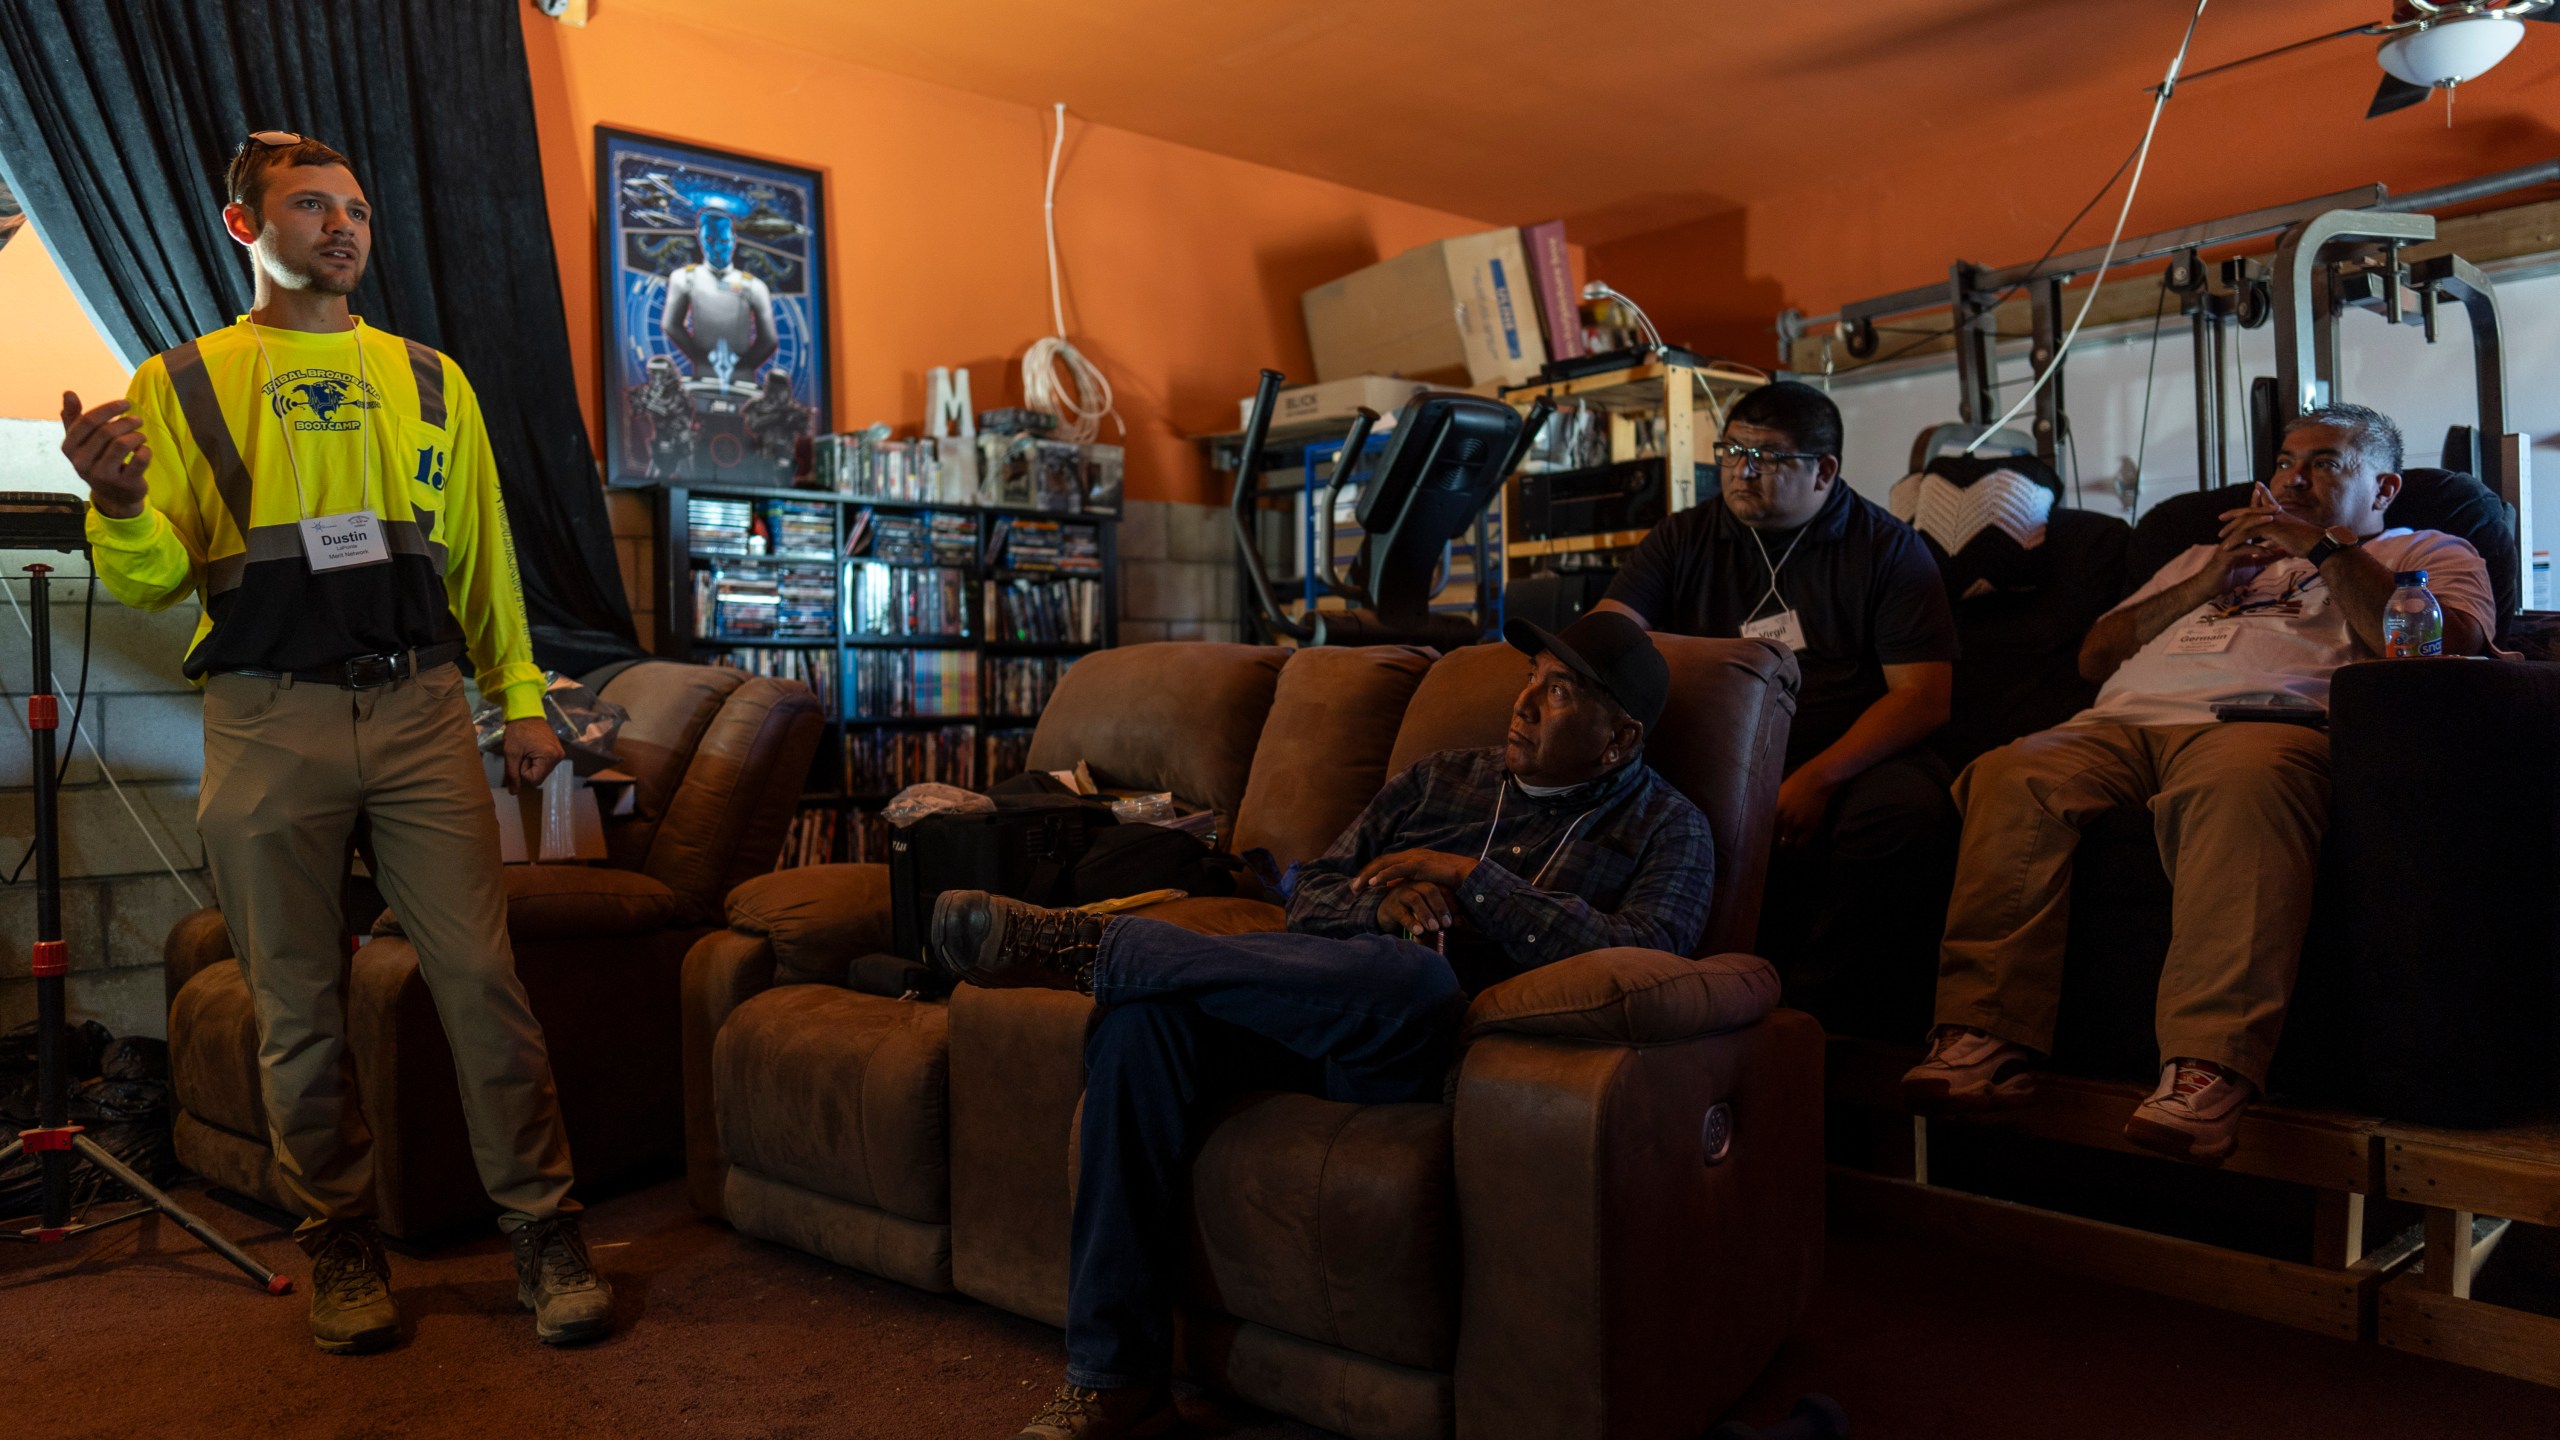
(342, 542)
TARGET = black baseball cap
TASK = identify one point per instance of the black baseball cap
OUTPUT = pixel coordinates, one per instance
(1609, 650)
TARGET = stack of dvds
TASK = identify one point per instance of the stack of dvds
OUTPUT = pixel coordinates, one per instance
(1044, 612)
(723, 527)
(811, 667)
(884, 762)
(800, 527)
(807, 595)
(1018, 686)
(735, 604)
(1047, 547)
(869, 464)
(883, 599)
(899, 684)
(1008, 754)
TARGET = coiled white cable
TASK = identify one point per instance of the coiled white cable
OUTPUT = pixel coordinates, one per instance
(2053, 367)
(1079, 413)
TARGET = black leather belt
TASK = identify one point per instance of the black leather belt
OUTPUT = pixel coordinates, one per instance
(367, 672)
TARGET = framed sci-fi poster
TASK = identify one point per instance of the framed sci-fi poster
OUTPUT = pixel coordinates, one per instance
(713, 271)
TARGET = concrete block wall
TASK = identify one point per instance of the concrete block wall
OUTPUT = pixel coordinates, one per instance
(118, 897)
(1177, 572)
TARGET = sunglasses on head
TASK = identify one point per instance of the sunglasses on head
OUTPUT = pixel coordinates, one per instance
(275, 139)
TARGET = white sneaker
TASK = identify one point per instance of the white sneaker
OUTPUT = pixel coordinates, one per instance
(2195, 1114)
(1968, 1071)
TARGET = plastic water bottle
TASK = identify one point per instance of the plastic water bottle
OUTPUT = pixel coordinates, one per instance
(2412, 621)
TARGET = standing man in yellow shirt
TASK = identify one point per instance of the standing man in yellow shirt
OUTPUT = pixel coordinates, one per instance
(327, 490)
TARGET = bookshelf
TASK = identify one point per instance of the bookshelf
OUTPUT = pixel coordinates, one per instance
(933, 633)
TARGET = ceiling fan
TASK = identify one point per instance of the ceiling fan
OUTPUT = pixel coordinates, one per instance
(2427, 45)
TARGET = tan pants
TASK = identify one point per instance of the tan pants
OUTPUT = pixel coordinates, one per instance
(287, 768)
(2238, 809)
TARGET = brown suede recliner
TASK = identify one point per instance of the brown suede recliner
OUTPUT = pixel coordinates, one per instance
(1608, 1232)
(719, 756)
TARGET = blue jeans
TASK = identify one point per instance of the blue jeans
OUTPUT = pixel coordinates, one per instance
(1186, 1022)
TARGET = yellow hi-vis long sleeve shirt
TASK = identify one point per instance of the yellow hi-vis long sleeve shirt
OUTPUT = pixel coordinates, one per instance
(254, 429)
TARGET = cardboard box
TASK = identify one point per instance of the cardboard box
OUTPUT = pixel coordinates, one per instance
(1334, 400)
(1458, 312)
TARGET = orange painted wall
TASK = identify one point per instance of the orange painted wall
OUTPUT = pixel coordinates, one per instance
(51, 345)
(2284, 130)
(1183, 269)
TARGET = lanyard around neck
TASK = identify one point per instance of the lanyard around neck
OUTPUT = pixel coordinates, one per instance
(1788, 554)
(364, 427)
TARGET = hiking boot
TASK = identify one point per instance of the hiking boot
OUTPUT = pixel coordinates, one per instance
(1076, 1413)
(351, 1309)
(1968, 1072)
(571, 1303)
(1004, 944)
(2195, 1114)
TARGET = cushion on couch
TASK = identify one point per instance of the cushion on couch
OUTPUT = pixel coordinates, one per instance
(839, 1093)
(1323, 751)
(1182, 717)
(1629, 997)
(817, 918)
(1463, 704)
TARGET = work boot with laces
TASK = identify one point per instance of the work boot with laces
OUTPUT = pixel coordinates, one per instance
(351, 1309)
(571, 1303)
(1000, 943)
(1079, 1413)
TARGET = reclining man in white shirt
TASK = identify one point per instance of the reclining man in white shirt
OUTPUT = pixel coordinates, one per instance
(2295, 588)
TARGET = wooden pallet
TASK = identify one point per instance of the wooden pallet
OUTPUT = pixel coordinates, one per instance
(2414, 1293)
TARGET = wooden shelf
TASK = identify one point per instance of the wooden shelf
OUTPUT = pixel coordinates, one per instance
(1575, 544)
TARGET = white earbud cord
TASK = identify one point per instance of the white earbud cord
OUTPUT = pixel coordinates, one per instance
(1496, 827)
(1772, 592)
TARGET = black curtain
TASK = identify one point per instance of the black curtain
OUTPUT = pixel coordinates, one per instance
(118, 116)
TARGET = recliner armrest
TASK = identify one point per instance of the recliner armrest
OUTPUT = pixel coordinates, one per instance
(722, 971)
(1628, 997)
(567, 902)
(817, 918)
(197, 942)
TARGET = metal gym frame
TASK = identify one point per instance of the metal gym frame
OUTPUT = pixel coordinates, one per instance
(2338, 252)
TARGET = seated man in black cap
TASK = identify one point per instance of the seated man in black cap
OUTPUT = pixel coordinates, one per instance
(1865, 829)
(1578, 846)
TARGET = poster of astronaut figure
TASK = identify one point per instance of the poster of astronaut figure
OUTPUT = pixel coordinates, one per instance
(715, 312)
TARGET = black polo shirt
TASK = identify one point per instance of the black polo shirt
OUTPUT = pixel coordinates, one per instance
(1862, 584)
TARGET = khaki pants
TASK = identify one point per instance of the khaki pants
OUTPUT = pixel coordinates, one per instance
(287, 769)
(2238, 809)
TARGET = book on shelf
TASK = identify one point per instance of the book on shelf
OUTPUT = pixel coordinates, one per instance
(897, 684)
(1050, 546)
(881, 599)
(1008, 754)
(811, 667)
(1044, 611)
(1018, 686)
(884, 762)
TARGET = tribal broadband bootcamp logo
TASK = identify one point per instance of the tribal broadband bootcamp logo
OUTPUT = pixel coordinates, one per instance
(330, 396)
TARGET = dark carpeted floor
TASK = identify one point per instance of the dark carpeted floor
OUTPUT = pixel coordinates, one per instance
(140, 1332)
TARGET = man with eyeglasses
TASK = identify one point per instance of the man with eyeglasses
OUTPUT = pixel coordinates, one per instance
(326, 491)
(2295, 588)
(1787, 552)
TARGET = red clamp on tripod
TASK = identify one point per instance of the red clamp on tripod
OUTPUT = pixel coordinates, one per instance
(54, 1141)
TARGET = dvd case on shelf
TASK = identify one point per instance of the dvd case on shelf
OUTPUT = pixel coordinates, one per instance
(811, 667)
(1018, 686)
(904, 684)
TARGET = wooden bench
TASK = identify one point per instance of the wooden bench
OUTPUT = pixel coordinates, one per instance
(2470, 1184)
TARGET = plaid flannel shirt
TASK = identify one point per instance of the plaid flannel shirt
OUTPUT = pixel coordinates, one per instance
(1623, 860)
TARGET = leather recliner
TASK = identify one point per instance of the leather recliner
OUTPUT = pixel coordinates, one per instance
(1569, 1248)
(719, 758)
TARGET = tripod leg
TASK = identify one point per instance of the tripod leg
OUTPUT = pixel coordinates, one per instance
(214, 1239)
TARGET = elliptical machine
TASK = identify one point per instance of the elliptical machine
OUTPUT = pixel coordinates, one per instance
(1449, 456)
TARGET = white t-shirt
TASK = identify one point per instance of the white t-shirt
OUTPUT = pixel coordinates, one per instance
(2279, 652)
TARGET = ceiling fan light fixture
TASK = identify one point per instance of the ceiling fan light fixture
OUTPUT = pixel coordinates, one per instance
(2451, 52)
